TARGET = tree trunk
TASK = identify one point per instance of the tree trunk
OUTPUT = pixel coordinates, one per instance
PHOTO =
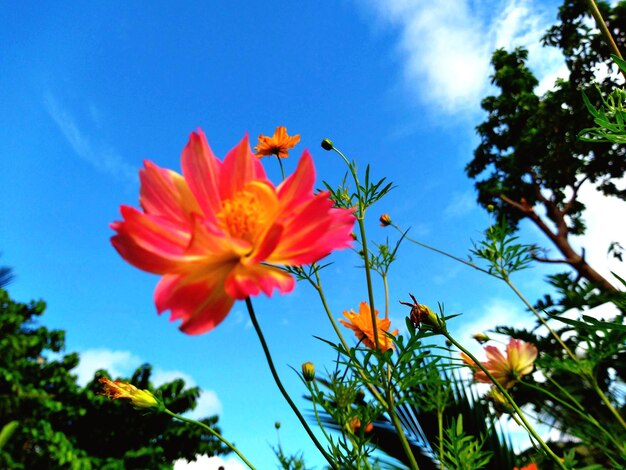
(560, 240)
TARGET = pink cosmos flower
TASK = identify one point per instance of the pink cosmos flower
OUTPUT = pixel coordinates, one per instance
(506, 370)
(215, 232)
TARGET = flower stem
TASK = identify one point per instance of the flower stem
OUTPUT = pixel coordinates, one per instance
(503, 276)
(400, 430)
(282, 170)
(508, 282)
(386, 287)
(595, 12)
(213, 432)
(293, 406)
(440, 426)
(318, 287)
(360, 217)
(509, 398)
(578, 409)
(605, 400)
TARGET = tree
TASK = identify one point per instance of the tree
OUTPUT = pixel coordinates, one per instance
(529, 160)
(64, 425)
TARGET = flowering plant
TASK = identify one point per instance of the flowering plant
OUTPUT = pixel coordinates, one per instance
(409, 395)
(222, 232)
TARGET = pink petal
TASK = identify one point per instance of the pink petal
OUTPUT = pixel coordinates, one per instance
(148, 242)
(298, 187)
(165, 193)
(494, 355)
(306, 242)
(240, 167)
(202, 172)
(246, 281)
(201, 303)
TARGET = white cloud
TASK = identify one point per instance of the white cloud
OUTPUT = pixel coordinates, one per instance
(208, 405)
(160, 376)
(101, 156)
(604, 225)
(124, 364)
(117, 363)
(203, 462)
(446, 46)
(495, 312)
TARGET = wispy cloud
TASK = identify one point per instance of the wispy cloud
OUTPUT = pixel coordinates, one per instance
(101, 156)
(446, 46)
(124, 363)
(461, 204)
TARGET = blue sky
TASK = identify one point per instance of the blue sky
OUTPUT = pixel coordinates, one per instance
(89, 93)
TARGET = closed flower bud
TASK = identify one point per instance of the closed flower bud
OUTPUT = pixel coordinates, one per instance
(385, 220)
(327, 144)
(122, 390)
(499, 402)
(308, 371)
(491, 208)
(481, 337)
(422, 315)
(277, 424)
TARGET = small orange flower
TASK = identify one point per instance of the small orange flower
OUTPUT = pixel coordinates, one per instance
(531, 466)
(121, 390)
(506, 370)
(278, 144)
(361, 324)
(355, 425)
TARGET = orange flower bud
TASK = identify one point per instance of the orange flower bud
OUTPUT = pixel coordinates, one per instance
(121, 390)
(385, 220)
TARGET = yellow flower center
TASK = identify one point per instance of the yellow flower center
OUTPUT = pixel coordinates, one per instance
(250, 212)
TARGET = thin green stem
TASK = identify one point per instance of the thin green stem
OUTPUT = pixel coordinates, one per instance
(576, 410)
(368, 277)
(441, 252)
(564, 392)
(595, 12)
(213, 432)
(508, 282)
(315, 412)
(509, 398)
(400, 430)
(293, 406)
(605, 400)
(360, 216)
(320, 292)
(503, 276)
(440, 426)
(280, 163)
(386, 288)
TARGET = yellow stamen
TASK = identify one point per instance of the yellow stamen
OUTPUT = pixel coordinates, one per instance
(249, 212)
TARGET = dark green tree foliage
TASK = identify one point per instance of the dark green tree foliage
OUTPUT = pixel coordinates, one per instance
(529, 161)
(63, 425)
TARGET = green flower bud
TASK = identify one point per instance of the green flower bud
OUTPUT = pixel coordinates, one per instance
(327, 144)
(308, 371)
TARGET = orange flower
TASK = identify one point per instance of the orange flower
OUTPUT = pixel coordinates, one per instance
(216, 232)
(361, 324)
(506, 370)
(121, 390)
(278, 144)
(530, 466)
(355, 425)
